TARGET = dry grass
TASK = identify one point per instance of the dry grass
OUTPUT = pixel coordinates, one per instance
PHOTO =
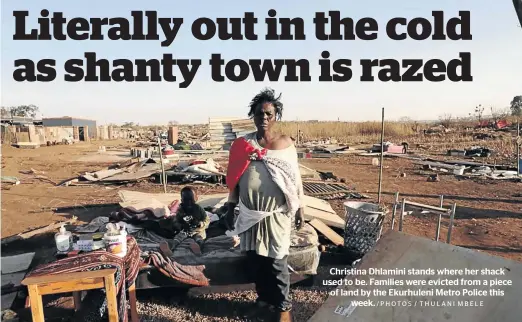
(461, 135)
(348, 132)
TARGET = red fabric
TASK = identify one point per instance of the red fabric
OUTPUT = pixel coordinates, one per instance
(173, 207)
(239, 159)
(198, 162)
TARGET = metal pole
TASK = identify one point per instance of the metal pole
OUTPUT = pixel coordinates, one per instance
(403, 210)
(163, 176)
(437, 233)
(518, 147)
(382, 159)
(452, 218)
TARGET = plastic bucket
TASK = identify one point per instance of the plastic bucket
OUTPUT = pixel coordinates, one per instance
(116, 244)
(363, 226)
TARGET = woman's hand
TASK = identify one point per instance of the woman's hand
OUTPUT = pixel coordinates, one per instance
(299, 219)
(230, 216)
(229, 220)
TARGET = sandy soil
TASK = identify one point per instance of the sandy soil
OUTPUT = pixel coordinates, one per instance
(489, 213)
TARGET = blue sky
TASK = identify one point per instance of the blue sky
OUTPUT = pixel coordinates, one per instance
(496, 51)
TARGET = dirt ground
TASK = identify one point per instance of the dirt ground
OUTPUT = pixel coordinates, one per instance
(489, 213)
(488, 217)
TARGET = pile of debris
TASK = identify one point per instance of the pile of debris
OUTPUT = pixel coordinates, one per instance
(136, 169)
(471, 169)
(326, 185)
(195, 171)
(475, 151)
(129, 171)
(390, 147)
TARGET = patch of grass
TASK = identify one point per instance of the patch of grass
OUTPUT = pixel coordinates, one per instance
(346, 131)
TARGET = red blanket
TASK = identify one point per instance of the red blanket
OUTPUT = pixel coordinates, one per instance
(241, 153)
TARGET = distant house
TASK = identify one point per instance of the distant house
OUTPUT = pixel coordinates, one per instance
(19, 120)
(71, 121)
(16, 129)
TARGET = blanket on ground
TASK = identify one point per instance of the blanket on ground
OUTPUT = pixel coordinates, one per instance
(126, 272)
(186, 274)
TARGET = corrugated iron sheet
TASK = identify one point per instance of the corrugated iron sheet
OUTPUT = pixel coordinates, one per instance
(326, 190)
(223, 131)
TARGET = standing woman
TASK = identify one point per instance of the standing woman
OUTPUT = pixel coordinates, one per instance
(264, 179)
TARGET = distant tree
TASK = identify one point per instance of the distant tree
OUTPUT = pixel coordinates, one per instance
(516, 105)
(130, 125)
(446, 120)
(415, 126)
(6, 112)
(21, 111)
(479, 111)
(499, 114)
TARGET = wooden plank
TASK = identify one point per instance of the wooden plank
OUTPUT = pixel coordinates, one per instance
(55, 278)
(112, 302)
(223, 119)
(72, 285)
(327, 232)
(319, 209)
(38, 231)
(132, 302)
(242, 122)
(36, 304)
(442, 211)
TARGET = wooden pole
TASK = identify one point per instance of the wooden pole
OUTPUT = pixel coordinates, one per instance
(394, 211)
(382, 159)
(298, 136)
(163, 176)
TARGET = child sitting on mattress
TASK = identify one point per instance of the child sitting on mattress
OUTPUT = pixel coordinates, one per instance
(191, 220)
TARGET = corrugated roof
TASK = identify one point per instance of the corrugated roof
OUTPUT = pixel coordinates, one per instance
(223, 131)
(67, 118)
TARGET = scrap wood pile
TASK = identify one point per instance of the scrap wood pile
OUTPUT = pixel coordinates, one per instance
(136, 169)
(461, 168)
(470, 169)
(132, 170)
